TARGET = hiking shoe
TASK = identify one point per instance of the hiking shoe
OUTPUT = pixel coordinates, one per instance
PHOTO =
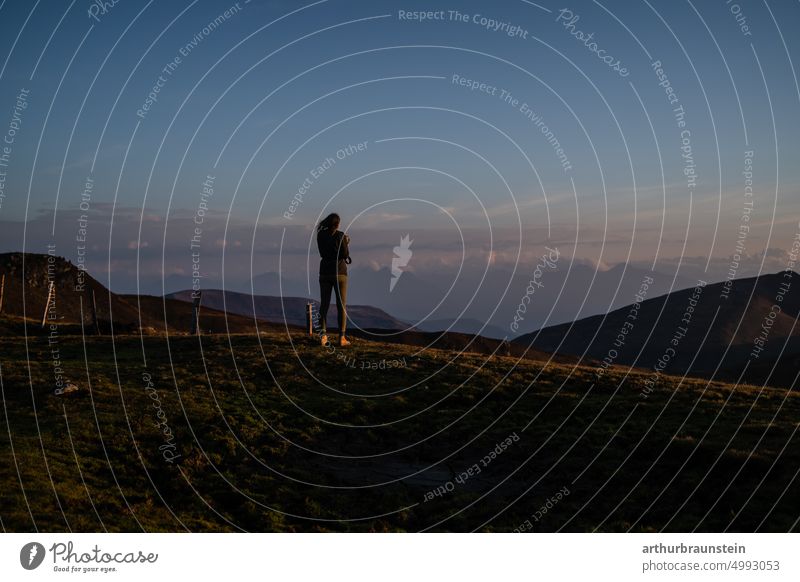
(343, 342)
(323, 340)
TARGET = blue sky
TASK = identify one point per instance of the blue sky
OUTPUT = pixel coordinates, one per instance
(270, 92)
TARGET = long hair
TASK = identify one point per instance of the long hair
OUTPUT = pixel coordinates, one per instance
(330, 222)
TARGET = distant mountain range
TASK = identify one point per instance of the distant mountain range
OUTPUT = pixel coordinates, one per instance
(291, 310)
(412, 298)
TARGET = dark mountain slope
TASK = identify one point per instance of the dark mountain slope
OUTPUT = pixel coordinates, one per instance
(693, 329)
(27, 282)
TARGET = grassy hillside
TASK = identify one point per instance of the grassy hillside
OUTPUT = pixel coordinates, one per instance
(251, 438)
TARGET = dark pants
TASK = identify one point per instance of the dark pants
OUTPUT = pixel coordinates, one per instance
(337, 284)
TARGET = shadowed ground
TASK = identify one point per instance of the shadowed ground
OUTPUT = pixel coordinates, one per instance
(260, 445)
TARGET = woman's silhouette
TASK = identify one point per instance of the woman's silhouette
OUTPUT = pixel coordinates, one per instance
(334, 250)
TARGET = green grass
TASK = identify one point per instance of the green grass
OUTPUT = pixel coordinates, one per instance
(265, 447)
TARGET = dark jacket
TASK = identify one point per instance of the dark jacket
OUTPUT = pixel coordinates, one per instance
(335, 252)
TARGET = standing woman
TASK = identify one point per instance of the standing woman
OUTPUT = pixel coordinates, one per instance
(334, 250)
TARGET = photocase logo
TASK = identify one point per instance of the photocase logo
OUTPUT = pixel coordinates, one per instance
(31, 555)
(400, 260)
